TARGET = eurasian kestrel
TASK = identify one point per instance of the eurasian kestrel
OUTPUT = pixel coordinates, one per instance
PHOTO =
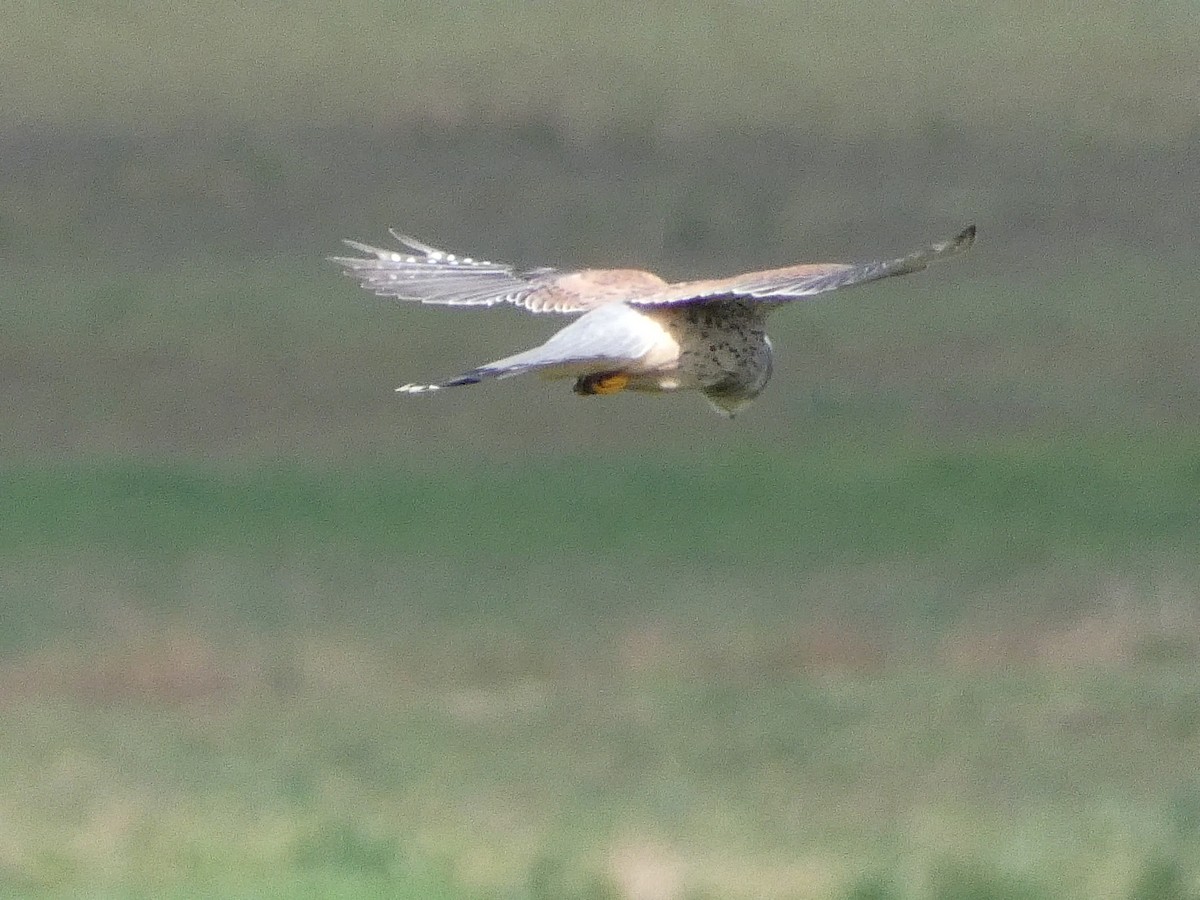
(635, 331)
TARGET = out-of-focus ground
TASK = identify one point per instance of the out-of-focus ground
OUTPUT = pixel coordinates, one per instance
(922, 623)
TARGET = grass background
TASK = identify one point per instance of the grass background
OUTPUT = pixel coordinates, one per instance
(923, 623)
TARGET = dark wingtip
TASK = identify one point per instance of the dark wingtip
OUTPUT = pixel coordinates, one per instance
(960, 241)
(957, 244)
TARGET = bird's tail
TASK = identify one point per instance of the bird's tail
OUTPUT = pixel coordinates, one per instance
(535, 360)
(483, 373)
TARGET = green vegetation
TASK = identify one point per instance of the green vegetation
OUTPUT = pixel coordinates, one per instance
(898, 660)
(995, 513)
(923, 624)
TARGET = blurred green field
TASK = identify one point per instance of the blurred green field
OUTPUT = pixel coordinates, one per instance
(1111, 70)
(810, 674)
(172, 762)
(935, 531)
(922, 624)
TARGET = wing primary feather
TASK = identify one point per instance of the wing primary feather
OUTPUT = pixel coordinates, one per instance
(425, 274)
(365, 248)
(796, 282)
(413, 244)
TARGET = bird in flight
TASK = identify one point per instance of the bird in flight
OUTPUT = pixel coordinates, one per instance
(634, 331)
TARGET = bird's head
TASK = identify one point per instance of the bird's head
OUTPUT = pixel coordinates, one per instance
(730, 396)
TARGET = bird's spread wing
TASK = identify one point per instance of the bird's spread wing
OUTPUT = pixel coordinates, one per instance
(794, 282)
(609, 337)
(429, 275)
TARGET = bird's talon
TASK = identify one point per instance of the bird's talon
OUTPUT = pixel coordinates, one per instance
(602, 383)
